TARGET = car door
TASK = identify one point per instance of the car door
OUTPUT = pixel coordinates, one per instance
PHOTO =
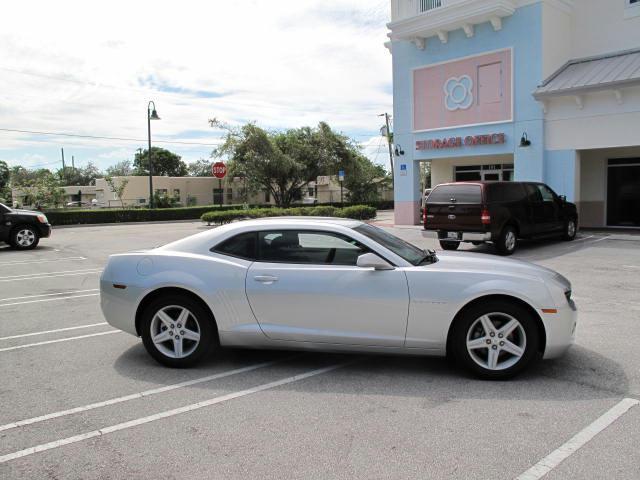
(551, 208)
(537, 216)
(306, 287)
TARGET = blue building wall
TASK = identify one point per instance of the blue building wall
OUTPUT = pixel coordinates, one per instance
(522, 32)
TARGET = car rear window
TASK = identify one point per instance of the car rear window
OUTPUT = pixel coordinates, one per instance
(458, 193)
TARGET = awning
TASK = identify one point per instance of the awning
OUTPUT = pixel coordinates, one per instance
(603, 72)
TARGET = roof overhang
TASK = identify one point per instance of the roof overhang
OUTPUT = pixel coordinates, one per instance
(585, 75)
(461, 15)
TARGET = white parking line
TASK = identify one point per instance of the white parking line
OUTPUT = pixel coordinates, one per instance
(43, 261)
(53, 331)
(35, 276)
(601, 239)
(29, 345)
(49, 300)
(146, 393)
(49, 294)
(167, 413)
(563, 452)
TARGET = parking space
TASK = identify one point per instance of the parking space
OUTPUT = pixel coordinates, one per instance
(86, 401)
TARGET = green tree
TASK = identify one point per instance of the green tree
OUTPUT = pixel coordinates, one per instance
(363, 180)
(283, 163)
(5, 177)
(165, 163)
(200, 168)
(117, 187)
(79, 176)
(43, 190)
(120, 169)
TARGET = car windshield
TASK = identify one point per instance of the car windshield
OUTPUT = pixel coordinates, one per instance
(409, 252)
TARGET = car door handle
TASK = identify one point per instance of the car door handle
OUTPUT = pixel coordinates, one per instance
(266, 279)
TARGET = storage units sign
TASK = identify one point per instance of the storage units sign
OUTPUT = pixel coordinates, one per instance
(457, 142)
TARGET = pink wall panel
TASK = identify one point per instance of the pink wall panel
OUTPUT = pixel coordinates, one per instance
(463, 92)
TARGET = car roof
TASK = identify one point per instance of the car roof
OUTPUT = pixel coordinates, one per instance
(297, 221)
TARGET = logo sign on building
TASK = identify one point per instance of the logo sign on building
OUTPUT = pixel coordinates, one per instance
(403, 169)
(219, 170)
(458, 142)
(469, 91)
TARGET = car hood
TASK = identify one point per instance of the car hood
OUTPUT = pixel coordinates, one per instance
(484, 263)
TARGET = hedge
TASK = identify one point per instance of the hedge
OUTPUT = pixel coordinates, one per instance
(359, 212)
(117, 215)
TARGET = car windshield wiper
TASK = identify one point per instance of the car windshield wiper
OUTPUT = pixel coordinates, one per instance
(429, 255)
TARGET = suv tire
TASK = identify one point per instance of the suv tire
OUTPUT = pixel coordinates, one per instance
(24, 237)
(449, 245)
(507, 241)
(570, 229)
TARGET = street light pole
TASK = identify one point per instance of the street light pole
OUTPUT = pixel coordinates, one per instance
(151, 115)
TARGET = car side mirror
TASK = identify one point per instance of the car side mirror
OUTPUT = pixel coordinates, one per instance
(563, 198)
(371, 260)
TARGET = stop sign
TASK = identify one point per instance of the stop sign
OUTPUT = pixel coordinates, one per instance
(219, 170)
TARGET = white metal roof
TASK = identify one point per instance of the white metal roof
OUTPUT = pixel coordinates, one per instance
(593, 73)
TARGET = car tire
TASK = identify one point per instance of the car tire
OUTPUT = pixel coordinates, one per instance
(488, 355)
(24, 237)
(178, 331)
(448, 245)
(570, 229)
(507, 241)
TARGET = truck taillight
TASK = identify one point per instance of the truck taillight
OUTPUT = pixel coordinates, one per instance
(485, 217)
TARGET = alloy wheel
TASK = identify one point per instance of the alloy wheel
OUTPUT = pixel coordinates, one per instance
(571, 229)
(510, 240)
(175, 331)
(496, 341)
(25, 237)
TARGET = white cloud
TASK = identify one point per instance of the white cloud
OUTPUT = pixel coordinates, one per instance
(90, 68)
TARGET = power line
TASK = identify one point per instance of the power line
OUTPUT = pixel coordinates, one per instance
(99, 137)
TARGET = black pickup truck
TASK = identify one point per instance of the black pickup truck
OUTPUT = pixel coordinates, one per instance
(497, 212)
(22, 229)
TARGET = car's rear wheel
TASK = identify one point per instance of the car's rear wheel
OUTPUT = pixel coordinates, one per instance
(507, 241)
(495, 340)
(177, 331)
(449, 245)
(570, 229)
(24, 238)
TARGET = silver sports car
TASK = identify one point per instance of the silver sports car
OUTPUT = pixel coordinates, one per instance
(336, 285)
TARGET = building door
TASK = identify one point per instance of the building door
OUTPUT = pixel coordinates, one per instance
(623, 193)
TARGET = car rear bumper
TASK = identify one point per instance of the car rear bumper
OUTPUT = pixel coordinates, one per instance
(465, 236)
(119, 306)
(45, 230)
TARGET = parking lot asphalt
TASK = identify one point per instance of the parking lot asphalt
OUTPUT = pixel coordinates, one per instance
(81, 400)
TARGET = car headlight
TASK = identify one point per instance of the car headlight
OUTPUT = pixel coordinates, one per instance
(42, 218)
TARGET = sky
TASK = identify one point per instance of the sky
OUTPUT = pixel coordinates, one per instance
(90, 68)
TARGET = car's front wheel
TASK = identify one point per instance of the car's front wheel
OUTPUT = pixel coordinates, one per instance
(177, 331)
(570, 229)
(495, 340)
(24, 238)
(449, 245)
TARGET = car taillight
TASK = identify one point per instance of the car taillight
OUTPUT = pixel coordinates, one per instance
(424, 215)
(485, 217)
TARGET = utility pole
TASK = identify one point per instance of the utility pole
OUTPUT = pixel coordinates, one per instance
(64, 171)
(73, 163)
(389, 142)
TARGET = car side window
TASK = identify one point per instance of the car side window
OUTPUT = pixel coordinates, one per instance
(242, 245)
(547, 195)
(533, 194)
(308, 247)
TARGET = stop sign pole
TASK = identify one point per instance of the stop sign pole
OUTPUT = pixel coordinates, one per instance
(219, 170)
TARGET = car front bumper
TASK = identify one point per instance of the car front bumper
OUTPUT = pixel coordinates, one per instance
(560, 330)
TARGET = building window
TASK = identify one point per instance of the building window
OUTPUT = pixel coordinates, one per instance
(217, 196)
(161, 191)
(426, 5)
(142, 200)
(267, 196)
(311, 192)
(176, 192)
(229, 195)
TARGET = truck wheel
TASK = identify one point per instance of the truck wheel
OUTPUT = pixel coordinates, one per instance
(570, 229)
(507, 241)
(448, 245)
(24, 237)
